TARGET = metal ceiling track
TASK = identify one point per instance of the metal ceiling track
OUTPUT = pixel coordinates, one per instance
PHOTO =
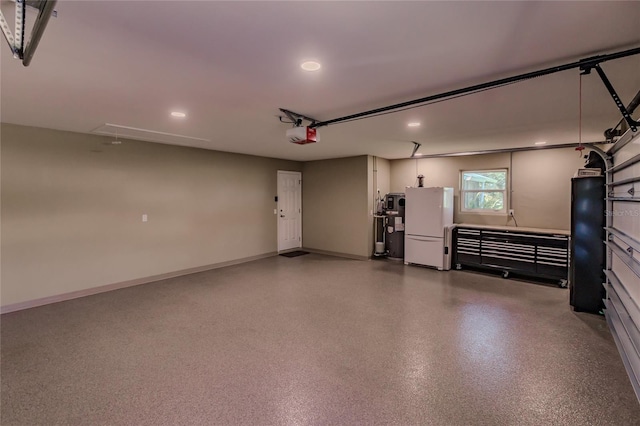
(16, 43)
(585, 65)
(590, 145)
(296, 118)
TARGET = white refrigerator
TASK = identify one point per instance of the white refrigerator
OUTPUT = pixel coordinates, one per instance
(428, 222)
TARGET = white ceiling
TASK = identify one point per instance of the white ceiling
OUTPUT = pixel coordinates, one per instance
(231, 65)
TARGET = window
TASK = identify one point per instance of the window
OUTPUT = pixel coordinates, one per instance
(483, 191)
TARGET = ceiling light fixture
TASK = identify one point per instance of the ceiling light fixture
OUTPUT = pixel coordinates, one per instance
(414, 124)
(178, 114)
(310, 65)
(541, 143)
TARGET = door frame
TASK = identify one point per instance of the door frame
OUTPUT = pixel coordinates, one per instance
(299, 174)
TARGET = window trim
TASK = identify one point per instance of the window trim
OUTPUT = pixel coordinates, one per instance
(505, 191)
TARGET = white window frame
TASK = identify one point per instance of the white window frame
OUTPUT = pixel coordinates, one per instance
(505, 192)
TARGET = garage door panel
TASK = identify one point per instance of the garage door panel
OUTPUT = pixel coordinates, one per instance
(626, 218)
(623, 252)
(625, 174)
(628, 281)
(629, 151)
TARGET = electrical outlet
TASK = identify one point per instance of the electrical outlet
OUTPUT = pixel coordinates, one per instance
(511, 212)
(145, 218)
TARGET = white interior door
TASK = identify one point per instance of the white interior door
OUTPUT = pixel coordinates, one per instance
(289, 210)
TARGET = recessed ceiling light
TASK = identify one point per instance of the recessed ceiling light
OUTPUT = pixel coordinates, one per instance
(414, 124)
(178, 114)
(310, 65)
(541, 143)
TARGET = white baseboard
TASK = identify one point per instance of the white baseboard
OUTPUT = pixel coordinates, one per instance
(336, 254)
(129, 283)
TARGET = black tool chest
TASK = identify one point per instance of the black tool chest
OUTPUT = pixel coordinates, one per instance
(534, 254)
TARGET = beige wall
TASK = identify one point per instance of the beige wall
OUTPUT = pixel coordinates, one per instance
(72, 207)
(335, 205)
(542, 187)
(445, 171)
(541, 182)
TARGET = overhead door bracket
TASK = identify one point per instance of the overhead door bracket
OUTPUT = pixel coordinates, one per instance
(586, 69)
(19, 48)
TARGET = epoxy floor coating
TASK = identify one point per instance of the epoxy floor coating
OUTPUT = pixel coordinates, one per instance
(315, 340)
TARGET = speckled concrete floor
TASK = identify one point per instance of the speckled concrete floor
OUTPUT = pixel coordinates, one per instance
(315, 340)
